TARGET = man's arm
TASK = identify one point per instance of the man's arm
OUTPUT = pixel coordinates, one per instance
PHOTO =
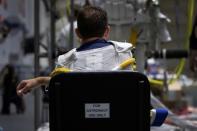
(26, 86)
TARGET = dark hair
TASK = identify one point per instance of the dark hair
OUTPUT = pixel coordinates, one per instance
(92, 22)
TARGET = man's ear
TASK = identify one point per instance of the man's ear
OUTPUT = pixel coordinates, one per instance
(78, 33)
(106, 34)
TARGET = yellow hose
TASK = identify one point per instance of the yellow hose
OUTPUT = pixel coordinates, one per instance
(180, 67)
(190, 21)
(155, 82)
(182, 62)
(68, 10)
(133, 36)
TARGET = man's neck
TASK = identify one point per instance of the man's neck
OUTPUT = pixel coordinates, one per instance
(90, 39)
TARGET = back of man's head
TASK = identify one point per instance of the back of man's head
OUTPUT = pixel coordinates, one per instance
(92, 22)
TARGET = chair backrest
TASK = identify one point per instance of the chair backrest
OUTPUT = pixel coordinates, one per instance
(95, 101)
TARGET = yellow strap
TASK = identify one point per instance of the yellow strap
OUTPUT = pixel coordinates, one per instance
(59, 70)
(155, 82)
(126, 63)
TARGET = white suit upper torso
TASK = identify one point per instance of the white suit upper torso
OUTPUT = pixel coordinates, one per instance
(104, 58)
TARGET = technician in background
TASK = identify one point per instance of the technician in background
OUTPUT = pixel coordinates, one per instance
(10, 81)
(96, 53)
(63, 37)
(64, 34)
(193, 48)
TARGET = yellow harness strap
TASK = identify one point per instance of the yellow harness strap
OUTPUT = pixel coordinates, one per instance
(59, 70)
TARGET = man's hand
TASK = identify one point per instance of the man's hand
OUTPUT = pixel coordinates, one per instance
(25, 86)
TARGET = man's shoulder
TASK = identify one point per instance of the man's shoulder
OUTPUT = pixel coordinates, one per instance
(122, 46)
(63, 58)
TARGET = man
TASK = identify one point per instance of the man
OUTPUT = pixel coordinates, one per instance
(95, 52)
(10, 80)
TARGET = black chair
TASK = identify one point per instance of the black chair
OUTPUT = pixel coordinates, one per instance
(99, 101)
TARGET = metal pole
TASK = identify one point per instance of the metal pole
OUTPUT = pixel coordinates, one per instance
(154, 42)
(140, 56)
(71, 24)
(37, 98)
(52, 48)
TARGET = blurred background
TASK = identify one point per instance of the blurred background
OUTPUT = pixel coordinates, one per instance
(34, 32)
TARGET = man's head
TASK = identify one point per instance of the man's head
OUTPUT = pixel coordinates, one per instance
(92, 22)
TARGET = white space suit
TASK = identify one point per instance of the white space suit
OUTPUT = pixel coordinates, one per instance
(105, 58)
